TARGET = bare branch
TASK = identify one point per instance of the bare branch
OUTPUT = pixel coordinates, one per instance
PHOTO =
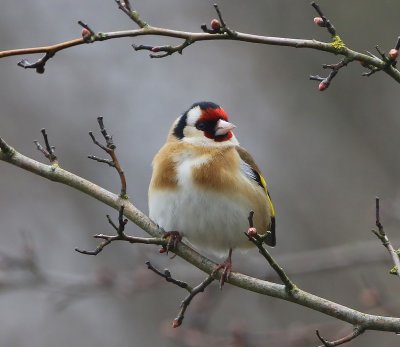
(326, 81)
(121, 236)
(192, 291)
(186, 302)
(125, 7)
(86, 26)
(39, 64)
(258, 242)
(357, 331)
(325, 21)
(110, 150)
(48, 152)
(168, 50)
(385, 240)
(168, 277)
(346, 314)
(221, 33)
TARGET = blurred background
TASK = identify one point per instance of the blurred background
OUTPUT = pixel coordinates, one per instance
(326, 156)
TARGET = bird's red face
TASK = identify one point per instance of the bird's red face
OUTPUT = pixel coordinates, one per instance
(206, 120)
(214, 123)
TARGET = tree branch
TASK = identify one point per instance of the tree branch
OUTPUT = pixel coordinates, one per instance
(335, 47)
(300, 297)
(357, 331)
(385, 240)
(110, 150)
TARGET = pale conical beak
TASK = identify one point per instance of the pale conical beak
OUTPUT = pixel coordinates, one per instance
(223, 127)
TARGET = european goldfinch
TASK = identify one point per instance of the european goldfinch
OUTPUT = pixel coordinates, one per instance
(204, 185)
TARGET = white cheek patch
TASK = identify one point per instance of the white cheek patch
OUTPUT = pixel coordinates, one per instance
(193, 116)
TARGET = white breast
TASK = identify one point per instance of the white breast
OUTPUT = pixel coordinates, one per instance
(207, 219)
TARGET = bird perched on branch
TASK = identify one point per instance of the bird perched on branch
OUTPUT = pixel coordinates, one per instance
(204, 185)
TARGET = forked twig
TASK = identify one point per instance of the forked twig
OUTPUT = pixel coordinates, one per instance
(121, 236)
(48, 152)
(110, 150)
(193, 291)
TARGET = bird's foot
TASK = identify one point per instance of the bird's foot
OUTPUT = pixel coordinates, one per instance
(226, 268)
(173, 238)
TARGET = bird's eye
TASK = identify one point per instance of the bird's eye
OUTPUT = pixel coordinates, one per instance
(200, 126)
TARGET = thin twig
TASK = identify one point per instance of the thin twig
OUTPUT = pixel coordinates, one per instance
(258, 241)
(125, 7)
(186, 302)
(385, 240)
(87, 27)
(224, 27)
(326, 81)
(331, 29)
(168, 277)
(110, 150)
(120, 236)
(48, 152)
(39, 64)
(167, 50)
(357, 331)
(5, 148)
(192, 291)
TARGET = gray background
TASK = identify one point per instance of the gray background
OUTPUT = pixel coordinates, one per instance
(326, 156)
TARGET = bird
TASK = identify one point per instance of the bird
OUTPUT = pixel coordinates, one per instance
(204, 185)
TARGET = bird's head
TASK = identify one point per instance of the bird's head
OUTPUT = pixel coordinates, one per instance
(204, 123)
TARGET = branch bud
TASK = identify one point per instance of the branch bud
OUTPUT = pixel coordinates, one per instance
(393, 54)
(322, 86)
(252, 232)
(215, 24)
(319, 21)
(176, 323)
(85, 34)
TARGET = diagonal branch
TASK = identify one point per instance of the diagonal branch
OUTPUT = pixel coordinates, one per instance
(258, 242)
(300, 297)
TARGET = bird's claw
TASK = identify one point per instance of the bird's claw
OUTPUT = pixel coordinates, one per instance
(226, 268)
(173, 238)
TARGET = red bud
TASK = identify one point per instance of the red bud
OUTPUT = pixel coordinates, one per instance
(155, 49)
(322, 86)
(162, 250)
(252, 231)
(215, 24)
(393, 54)
(85, 33)
(176, 323)
(319, 21)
